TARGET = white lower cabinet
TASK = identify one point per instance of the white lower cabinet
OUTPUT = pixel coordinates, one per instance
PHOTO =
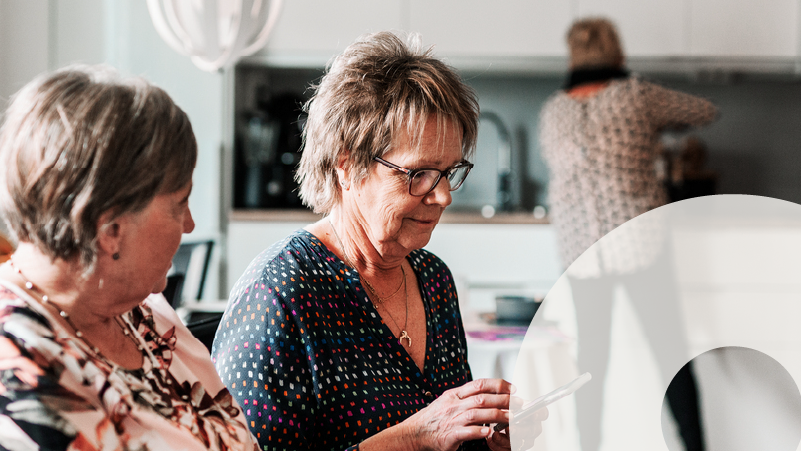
(485, 259)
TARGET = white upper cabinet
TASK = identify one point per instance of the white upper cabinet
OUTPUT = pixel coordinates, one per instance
(702, 28)
(492, 28)
(650, 28)
(744, 28)
(312, 31)
(524, 33)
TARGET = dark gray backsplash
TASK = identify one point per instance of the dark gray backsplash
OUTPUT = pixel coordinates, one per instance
(754, 146)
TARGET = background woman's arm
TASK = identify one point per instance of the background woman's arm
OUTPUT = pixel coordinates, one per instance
(674, 109)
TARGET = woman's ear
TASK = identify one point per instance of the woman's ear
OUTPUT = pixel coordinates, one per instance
(109, 234)
(342, 172)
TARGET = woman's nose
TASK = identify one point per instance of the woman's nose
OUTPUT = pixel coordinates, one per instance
(441, 194)
(189, 222)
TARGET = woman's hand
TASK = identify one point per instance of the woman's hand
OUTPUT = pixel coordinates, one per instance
(461, 414)
(524, 435)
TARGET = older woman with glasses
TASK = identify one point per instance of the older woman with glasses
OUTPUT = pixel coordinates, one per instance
(347, 334)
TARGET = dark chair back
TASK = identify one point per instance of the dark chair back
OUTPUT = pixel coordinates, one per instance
(190, 266)
(205, 328)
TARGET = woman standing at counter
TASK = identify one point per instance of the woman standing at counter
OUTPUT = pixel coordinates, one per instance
(346, 334)
(600, 140)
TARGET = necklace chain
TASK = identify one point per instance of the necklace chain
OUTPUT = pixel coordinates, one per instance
(367, 282)
(46, 301)
(397, 290)
(404, 333)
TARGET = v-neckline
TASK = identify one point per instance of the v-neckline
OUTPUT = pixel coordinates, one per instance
(387, 336)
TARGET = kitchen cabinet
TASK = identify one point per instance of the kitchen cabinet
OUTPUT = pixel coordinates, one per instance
(499, 254)
(529, 35)
(485, 259)
(702, 28)
(309, 32)
(652, 28)
(461, 28)
(744, 28)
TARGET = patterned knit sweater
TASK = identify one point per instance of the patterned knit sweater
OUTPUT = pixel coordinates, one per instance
(601, 152)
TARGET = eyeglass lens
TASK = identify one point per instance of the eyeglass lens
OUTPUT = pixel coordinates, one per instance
(425, 180)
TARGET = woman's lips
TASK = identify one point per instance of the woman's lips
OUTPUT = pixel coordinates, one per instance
(426, 221)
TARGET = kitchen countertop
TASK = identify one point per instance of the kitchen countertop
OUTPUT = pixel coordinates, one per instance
(449, 217)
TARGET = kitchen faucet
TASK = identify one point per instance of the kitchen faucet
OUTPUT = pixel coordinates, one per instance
(504, 195)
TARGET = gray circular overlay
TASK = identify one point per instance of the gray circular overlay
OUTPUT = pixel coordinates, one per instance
(717, 277)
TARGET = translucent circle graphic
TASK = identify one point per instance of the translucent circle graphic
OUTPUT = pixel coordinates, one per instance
(649, 297)
(750, 389)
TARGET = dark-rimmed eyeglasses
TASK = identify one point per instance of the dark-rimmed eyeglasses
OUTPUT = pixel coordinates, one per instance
(423, 180)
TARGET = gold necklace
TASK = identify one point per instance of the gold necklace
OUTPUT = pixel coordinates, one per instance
(367, 282)
(372, 290)
(46, 301)
(404, 334)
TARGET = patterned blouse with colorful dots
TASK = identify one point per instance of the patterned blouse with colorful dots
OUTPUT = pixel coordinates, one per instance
(306, 354)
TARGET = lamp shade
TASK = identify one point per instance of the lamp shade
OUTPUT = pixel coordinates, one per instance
(214, 33)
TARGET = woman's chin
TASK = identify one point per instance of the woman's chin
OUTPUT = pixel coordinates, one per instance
(419, 238)
(159, 286)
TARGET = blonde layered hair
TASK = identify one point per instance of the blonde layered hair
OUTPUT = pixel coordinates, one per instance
(378, 88)
(594, 42)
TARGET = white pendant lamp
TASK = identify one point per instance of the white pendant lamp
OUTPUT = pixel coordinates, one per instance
(214, 33)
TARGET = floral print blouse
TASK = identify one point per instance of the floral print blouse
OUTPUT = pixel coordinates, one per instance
(56, 394)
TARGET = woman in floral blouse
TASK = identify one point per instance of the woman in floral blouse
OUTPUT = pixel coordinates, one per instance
(95, 180)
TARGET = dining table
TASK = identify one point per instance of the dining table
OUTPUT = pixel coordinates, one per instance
(536, 358)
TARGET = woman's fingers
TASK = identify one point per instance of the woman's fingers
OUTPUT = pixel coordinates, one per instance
(525, 433)
(499, 441)
(543, 414)
(484, 416)
(484, 401)
(468, 433)
(483, 386)
(487, 401)
(516, 403)
(462, 414)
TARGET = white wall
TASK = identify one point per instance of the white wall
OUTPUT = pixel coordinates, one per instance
(23, 43)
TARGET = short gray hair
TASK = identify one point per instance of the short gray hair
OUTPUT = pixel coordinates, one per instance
(376, 89)
(84, 141)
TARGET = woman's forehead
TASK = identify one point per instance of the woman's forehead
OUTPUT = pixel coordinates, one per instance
(437, 142)
(432, 133)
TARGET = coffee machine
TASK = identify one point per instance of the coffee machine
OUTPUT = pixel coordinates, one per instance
(268, 151)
